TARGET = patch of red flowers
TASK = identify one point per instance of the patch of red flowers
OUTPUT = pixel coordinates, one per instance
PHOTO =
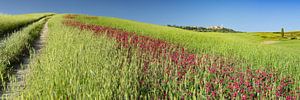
(221, 77)
(70, 16)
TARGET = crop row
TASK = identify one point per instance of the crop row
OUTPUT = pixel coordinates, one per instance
(171, 71)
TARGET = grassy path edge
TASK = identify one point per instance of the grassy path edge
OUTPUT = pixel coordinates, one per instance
(15, 48)
(17, 82)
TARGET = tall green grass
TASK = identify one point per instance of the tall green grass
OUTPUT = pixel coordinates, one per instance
(76, 64)
(13, 47)
(10, 23)
(244, 52)
(293, 45)
(73, 65)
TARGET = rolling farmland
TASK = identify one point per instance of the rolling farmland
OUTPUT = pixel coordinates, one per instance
(95, 57)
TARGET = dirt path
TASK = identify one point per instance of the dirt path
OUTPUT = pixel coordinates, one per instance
(269, 42)
(14, 88)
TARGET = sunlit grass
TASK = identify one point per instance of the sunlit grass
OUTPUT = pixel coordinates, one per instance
(9, 23)
(13, 47)
(245, 52)
(79, 64)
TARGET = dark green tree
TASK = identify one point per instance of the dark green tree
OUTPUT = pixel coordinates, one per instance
(282, 32)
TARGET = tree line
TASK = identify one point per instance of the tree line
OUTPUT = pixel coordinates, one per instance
(203, 29)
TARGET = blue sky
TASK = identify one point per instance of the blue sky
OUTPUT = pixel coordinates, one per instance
(243, 15)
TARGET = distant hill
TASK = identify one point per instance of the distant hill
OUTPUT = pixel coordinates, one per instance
(209, 29)
(292, 35)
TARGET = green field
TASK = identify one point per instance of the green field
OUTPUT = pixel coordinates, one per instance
(10, 23)
(234, 46)
(95, 57)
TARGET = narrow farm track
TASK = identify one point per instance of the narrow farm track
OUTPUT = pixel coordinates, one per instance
(269, 42)
(21, 70)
